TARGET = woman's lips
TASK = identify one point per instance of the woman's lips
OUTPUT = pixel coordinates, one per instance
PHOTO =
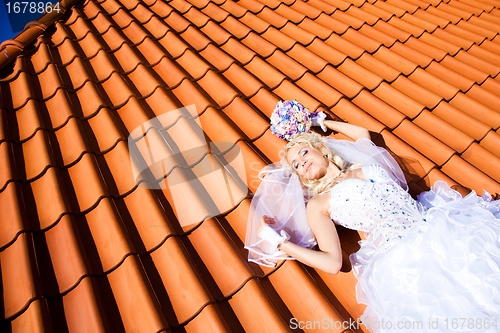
(307, 168)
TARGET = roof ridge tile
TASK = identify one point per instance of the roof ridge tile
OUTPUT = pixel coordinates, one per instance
(253, 5)
(382, 111)
(333, 24)
(490, 143)
(236, 28)
(406, 6)
(429, 17)
(344, 46)
(145, 305)
(392, 31)
(349, 112)
(242, 119)
(472, 57)
(274, 18)
(424, 143)
(457, 168)
(20, 278)
(339, 81)
(451, 77)
(406, 26)
(430, 51)
(209, 238)
(466, 25)
(315, 28)
(326, 94)
(273, 4)
(482, 159)
(490, 17)
(447, 44)
(483, 53)
(438, 12)
(361, 75)
(417, 21)
(256, 23)
(395, 59)
(195, 38)
(327, 52)
(290, 13)
(302, 285)
(377, 35)
(348, 19)
(478, 4)
(463, 6)
(323, 6)
(215, 13)
(426, 4)
(443, 131)
(398, 12)
(177, 22)
(307, 58)
(461, 120)
(11, 199)
(468, 71)
(479, 21)
(354, 36)
(268, 74)
(420, 94)
(376, 11)
(490, 46)
(476, 109)
(378, 67)
(306, 9)
(491, 85)
(363, 15)
(255, 309)
(234, 9)
(340, 4)
(141, 13)
(447, 7)
(216, 87)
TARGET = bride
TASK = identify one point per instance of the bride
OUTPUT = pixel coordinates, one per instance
(434, 261)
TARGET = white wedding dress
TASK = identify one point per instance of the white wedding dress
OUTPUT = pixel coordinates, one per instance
(431, 265)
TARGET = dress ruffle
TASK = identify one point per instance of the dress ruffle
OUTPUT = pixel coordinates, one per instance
(443, 278)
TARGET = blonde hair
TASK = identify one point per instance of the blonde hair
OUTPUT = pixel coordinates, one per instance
(317, 141)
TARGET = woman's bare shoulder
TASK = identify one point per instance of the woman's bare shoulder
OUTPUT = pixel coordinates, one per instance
(320, 202)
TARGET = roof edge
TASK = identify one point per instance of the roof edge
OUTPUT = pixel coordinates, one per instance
(10, 49)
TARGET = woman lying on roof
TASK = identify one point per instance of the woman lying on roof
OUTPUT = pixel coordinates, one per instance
(430, 260)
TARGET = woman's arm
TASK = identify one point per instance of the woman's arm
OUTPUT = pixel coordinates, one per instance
(353, 131)
(329, 257)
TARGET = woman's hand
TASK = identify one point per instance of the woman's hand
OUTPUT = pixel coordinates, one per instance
(329, 256)
(267, 233)
(353, 131)
(264, 221)
(267, 220)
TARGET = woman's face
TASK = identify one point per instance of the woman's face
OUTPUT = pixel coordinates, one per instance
(307, 162)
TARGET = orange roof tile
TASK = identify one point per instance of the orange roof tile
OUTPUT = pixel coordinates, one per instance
(85, 245)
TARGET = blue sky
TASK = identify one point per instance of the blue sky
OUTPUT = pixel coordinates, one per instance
(5, 28)
(12, 23)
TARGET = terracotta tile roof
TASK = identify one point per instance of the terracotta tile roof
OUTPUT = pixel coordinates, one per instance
(85, 247)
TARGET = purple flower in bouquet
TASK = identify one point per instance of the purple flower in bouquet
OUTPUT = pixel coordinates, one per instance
(291, 117)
